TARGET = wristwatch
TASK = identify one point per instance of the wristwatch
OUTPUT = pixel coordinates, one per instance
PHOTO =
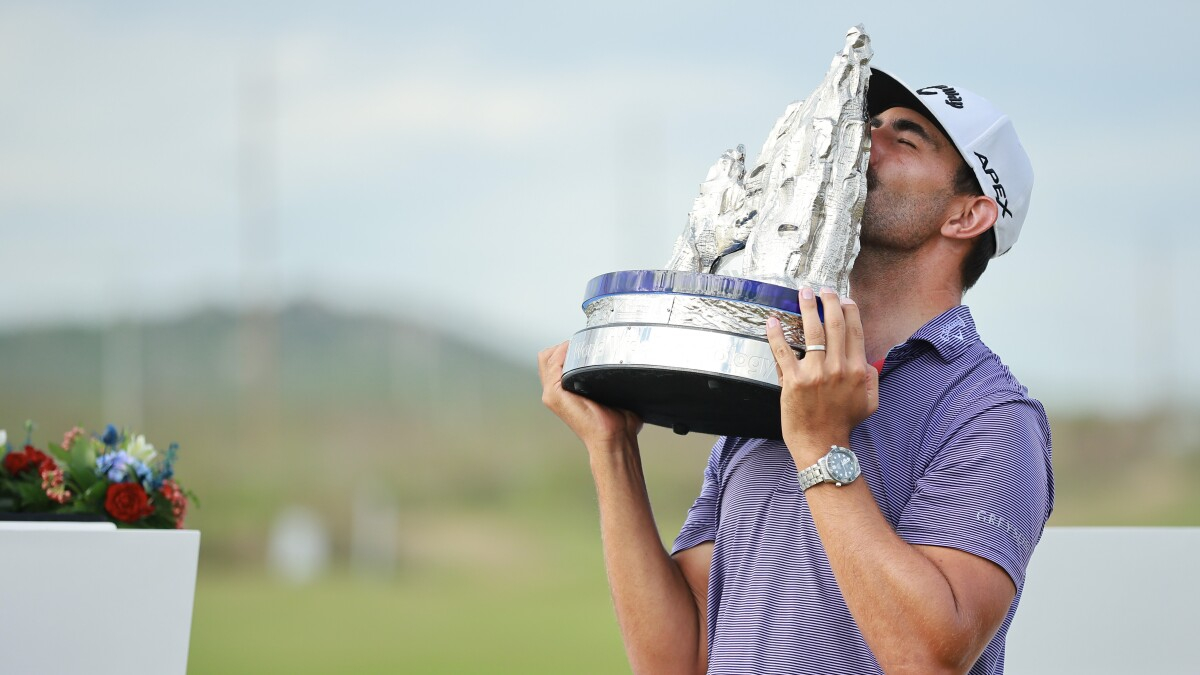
(839, 466)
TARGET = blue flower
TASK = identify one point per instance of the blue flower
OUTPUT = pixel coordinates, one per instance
(143, 473)
(111, 436)
(166, 469)
(114, 465)
(121, 467)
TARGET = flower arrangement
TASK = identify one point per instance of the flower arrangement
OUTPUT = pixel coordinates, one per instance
(115, 475)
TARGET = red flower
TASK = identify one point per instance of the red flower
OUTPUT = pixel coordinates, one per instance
(127, 502)
(29, 458)
(36, 455)
(16, 462)
(52, 483)
(170, 490)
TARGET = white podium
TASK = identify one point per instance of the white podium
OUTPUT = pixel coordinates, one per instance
(1102, 600)
(93, 599)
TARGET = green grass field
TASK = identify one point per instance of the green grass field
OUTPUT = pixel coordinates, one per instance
(513, 583)
(536, 603)
(249, 624)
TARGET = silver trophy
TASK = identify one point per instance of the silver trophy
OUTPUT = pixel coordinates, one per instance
(686, 347)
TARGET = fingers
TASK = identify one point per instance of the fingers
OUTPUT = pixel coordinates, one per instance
(856, 348)
(550, 364)
(835, 326)
(785, 358)
(856, 354)
(814, 332)
(872, 391)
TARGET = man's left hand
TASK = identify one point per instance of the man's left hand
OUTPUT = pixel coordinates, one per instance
(826, 393)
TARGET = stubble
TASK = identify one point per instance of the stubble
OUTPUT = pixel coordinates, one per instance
(897, 223)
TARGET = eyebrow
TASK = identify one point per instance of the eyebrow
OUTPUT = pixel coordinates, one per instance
(903, 124)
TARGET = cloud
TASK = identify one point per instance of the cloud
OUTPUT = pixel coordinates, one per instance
(428, 96)
(477, 149)
(132, 120)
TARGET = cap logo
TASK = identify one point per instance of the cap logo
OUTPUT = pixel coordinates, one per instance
(953, 99)
(997, 187)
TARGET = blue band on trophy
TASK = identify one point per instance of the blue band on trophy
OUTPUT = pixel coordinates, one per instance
(693, 283)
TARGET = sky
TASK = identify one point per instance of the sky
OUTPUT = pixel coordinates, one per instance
(471, 165)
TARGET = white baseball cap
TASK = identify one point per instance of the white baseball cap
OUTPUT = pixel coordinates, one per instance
(983, 135)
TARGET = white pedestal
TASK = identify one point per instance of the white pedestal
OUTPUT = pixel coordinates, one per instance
(1104, 600)
(94, 601)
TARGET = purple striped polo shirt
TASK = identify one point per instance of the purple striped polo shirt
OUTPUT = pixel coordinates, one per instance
(957, 455)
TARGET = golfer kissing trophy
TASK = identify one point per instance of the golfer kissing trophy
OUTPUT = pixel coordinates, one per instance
(686, 347)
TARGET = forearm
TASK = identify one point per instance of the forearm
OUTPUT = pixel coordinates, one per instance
(921, 609)
(904, 606)
(660, 617)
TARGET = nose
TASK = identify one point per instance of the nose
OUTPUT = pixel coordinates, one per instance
(878, 129)
(879, 140)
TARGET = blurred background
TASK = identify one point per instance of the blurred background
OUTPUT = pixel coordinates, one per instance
(319, 246)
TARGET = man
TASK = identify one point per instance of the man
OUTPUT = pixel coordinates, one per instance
(792, 562)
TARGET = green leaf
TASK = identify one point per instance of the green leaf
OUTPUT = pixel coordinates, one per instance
(81, 465)
(81, 444)
(32, 497)
(92, 499)
(62, 456)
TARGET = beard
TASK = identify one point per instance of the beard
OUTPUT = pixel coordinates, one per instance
(898, 221)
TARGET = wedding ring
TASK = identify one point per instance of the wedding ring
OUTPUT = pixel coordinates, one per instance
(814, 348)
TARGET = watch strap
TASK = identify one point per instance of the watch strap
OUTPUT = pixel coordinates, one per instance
(813, 475)
(820, 473)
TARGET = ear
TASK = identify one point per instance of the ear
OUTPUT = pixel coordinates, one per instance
(970, 217)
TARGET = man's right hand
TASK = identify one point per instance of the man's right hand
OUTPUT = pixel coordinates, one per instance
(661, 601)
(599, 426)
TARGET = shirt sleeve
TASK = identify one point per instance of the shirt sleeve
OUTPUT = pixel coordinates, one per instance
(989, 489)
(701, 523)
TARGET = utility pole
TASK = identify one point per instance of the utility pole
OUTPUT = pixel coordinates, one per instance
(258, 360)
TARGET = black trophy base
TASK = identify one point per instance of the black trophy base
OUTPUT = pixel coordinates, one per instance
(682, 400)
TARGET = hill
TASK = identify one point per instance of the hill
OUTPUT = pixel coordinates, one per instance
(314, 406)
(309, 406)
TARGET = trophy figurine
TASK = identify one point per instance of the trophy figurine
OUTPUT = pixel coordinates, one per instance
(686, 347)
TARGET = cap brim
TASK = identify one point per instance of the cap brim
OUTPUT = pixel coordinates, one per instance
(885, 91)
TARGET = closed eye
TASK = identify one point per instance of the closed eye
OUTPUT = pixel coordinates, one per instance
(907, 126)
(905, 130)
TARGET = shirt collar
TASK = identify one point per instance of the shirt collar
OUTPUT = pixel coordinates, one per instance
(949, 334)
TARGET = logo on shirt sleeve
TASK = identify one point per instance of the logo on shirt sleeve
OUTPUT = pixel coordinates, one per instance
(1004, 524)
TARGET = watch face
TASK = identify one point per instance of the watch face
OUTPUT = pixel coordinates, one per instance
(843, 466)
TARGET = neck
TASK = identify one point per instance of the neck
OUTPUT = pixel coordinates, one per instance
(897, 293)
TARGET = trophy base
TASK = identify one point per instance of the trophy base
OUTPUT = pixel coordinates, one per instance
(685, 401)
(686, 379)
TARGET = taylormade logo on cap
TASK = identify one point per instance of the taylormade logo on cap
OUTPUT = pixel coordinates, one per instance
(983, 135)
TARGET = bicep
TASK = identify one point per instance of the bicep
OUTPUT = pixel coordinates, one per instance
(986, 492)
(694, 564)
(983, 591)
